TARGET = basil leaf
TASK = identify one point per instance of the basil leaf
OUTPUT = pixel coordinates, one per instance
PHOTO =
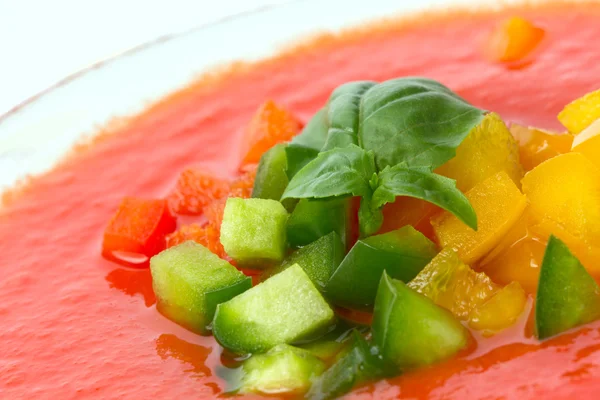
(297, 157)
(337, 172)
(314, 133)
(343, 114)
(425, 185)
(414, 121)
(370, 218)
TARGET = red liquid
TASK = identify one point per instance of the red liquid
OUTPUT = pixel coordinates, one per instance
(75, 325)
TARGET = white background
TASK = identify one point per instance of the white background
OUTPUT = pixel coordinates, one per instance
(42, 41)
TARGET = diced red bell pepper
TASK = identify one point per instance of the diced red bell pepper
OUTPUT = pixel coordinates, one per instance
(243, 185)
(214, 213)
(137, 231)
(240, 187)
(409, 211)
(207, 235)
(270, 125)
(194, 190)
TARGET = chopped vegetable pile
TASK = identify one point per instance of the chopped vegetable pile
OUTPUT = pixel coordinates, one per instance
(398, 200)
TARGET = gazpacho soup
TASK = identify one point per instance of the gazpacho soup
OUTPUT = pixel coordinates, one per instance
(410, 209)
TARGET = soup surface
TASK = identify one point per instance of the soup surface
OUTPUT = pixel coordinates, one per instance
(75, 325)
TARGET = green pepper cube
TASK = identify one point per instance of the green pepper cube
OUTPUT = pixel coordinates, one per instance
(253, 231)
(355, 365)
(325, 350)
(567, 295)
(410, 330)
(313, 219)
(333, 342)
(402, 253)
(319, 259)
(283, 309)
(282, 370)
(189, 281)
(271, 178)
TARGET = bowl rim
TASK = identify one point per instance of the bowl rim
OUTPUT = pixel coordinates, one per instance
(75, 109)
(40, 133)
(174, 35)
(103, 62)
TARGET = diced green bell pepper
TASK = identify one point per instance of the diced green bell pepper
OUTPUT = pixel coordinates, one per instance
(313, 219)
(319, 259)
(282, 370)
(330, 344)
(567, 295)
(355, 365)
(323, 349)
(412, 331)
(253, 231)
(271, 178)
(283, 309)
(402, 253)
(189, 281)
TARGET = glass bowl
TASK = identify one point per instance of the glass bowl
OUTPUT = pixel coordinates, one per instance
(37, 133)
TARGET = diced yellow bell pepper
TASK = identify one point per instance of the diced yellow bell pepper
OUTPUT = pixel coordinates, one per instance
(580, 113)
(517, 232)
(500, 311)
(489, 148)
(520, 262)
(587, 253)
(452, 284)
(517, 257)
(513, 40)
(498, 204)
(566, 191)
(588, 143)
(537, 146)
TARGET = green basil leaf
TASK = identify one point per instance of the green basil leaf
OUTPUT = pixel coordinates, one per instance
(343, 114)
(425, 185)
(297, 157)
(414, 121)
(338, 172)
(370, 218)
(314, 133)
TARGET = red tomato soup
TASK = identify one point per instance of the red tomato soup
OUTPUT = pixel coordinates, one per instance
(73, 324)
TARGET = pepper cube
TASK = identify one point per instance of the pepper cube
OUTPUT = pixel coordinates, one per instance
(137, 231)
(253, 231)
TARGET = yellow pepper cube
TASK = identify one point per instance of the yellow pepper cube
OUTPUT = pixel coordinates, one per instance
(500, 311)
(513, 40)
(566, 191)
(588, 143)
(452, 284)
(537, 145)
(587, 253)
(580, 113)
(518, 232)
(498, 203)
(489, 148)
(517, 257)
(520, 262)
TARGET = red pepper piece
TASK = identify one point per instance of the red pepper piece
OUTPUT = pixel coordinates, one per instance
(137, 231)
(270, 125)
(195, 189)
